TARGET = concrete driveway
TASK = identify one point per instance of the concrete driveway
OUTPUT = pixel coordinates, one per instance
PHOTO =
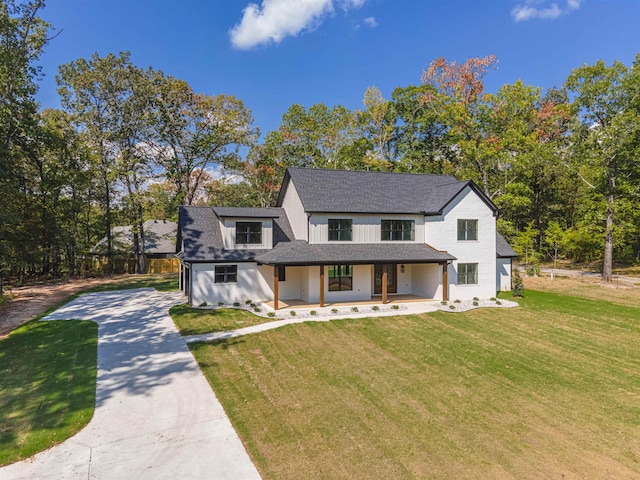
(156, 416)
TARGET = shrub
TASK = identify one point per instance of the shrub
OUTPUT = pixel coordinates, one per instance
(220, 304)
(236, 304)
(293, 313)
(334, 310)
(492, 299)
(248, 302)
(313, 313)
(457, 300)
(476, 299)
(498, 302)
(271, 314)
(533, 270)
(253, 305)
(475, 303)
(395, 307)
(354, 309)
(375, 308)
(203, 304)
(452, 307)
(444, 302)
(256, 309)
(517, 286)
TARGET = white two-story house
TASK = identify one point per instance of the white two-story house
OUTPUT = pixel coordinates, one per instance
(347, 236)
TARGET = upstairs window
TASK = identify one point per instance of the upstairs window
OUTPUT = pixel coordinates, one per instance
(226, 274)
(467, 274)
(398, 230)
(467, 229)
(248, 233)
(340, 230)
(340, 278)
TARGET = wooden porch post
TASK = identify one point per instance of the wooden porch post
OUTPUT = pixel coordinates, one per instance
(275, 287)
(384, 284)
(445, 282)
(322, 285)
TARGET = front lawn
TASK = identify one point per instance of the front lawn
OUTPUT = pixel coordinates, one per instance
(161, 282)
(48, 385)
(194, 321)
(548, 390)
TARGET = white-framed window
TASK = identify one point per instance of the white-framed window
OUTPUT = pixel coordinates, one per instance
(467, 229)
(226, 274)
(248, 233)
(467, 274)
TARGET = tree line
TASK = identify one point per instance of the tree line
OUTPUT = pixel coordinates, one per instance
(131, 144)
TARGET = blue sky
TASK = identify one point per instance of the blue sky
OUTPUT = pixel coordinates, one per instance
(274, 53)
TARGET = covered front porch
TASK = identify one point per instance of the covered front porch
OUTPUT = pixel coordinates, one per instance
(339, 285)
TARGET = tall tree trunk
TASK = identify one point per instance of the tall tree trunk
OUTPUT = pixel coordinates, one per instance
(607, 267)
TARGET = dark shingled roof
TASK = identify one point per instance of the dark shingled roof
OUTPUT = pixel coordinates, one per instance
(242, 212)
(299, 252)
(503, 249)
(346, 191)
(199, 231)
(159, 238)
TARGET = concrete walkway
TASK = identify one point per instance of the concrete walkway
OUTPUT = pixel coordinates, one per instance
(156, 416)
(303, 315)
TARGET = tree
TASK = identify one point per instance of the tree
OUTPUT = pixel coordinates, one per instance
(458, 92)
(378, 122)
(194, 132)
(606, 137)
(23, 36)
(92, 91)
(517, 286)
(420, 137)
(554, 237)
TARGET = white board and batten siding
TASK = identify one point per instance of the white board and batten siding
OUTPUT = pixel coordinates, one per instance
(441, 232)
(296, 214)
(365, 228)
(228, 229)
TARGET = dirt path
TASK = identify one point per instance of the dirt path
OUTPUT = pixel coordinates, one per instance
(32, 300)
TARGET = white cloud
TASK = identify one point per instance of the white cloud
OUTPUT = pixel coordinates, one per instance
(531, 10)
(275, 20)
(370, 22)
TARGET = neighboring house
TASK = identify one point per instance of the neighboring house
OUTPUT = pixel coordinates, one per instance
(342, 236)
(159, 240)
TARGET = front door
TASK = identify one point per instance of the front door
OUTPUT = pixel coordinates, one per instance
(392, 283)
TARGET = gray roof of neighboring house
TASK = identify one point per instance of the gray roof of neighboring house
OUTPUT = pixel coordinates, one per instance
(241, 212)
(201, 237)
(348, 191)
(159, 235)
(503, 249)
(299, 252)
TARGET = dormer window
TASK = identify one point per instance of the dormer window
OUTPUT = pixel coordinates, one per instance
(248, 233)
(340, 230)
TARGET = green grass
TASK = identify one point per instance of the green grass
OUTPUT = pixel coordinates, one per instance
(47, 380)
(162, 283)
(549, 390)
(194, 321)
